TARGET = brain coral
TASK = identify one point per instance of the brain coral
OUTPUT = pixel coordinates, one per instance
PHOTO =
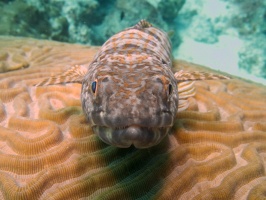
(217, 148)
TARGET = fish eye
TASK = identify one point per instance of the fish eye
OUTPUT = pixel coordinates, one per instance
(94, 86)
(170, 89)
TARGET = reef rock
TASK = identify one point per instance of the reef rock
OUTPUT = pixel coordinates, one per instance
(87, 22)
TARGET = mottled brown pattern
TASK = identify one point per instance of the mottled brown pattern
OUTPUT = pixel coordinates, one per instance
(133, 102)
(216, 149)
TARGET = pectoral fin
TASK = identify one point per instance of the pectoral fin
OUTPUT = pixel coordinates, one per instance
(186, 87)
(185, 90)
(182, 76)
(72, 75)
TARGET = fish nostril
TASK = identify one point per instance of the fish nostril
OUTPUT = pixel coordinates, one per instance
(106, 79)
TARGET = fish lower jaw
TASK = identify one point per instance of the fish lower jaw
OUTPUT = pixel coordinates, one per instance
(136, 126)
(124, 137)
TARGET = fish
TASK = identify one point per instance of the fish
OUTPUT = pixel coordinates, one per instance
(129, 93)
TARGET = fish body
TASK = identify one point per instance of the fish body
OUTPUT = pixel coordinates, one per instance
(136, 98)
(129, 94)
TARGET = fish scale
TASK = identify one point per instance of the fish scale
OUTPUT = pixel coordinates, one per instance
(129, 94)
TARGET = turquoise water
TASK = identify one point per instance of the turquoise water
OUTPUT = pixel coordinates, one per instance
(225, 35)
(228, 35)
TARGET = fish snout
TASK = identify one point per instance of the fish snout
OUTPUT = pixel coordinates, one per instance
(124, 137)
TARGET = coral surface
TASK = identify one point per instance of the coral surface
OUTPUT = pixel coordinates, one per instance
(216, 149)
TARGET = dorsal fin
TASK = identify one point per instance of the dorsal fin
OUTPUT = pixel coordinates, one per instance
(72, 75)
(142, 24)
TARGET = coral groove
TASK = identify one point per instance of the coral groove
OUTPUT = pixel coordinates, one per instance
(216, 149)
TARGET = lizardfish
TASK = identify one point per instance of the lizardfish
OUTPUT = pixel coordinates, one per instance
(129, 94)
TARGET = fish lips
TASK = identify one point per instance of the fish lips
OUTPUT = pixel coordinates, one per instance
(124, 137)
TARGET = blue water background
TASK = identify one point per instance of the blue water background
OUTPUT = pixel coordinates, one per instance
(227, 35)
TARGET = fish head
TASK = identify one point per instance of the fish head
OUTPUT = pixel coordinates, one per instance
(130, 105)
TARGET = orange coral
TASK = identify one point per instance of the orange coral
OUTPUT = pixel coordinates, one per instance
(47, 150)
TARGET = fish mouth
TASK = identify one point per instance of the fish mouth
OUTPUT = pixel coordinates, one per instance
(124, 137)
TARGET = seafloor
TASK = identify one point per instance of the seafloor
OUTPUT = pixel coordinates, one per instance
(216, 149)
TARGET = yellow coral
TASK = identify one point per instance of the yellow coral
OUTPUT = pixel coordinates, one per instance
(47, 150)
